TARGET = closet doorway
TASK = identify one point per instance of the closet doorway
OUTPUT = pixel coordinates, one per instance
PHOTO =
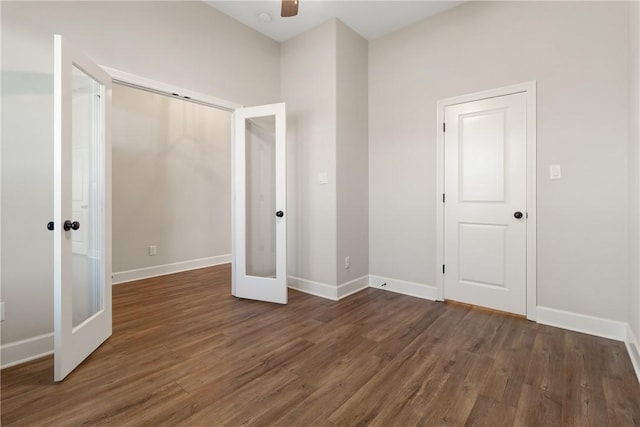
(171, 183)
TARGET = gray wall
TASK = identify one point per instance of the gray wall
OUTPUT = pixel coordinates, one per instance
(171, 179)
(186, 44)
(324, 83)
(578, 54)
(634, 169)
(308, 86)
(352, 157)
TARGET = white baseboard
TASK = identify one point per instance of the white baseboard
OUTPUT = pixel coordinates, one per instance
(591, 325)
(23, 351)
(633, 348)
(403, 287)
(353, 286)
(161, 270)
(324, 290)
(313, 288)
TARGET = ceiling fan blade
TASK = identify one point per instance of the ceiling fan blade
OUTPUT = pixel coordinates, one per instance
(289, 8)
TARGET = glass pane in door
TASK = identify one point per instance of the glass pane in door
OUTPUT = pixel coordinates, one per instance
(87, 197)
(260, 144)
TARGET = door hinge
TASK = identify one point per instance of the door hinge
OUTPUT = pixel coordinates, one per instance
(443, 198)
(444, 127)
(442, 268)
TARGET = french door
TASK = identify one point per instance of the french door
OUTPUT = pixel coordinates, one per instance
(82, 208)
(259, 203)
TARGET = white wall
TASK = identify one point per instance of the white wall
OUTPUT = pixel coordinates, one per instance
(186, 44)
(308, 86)
(577, 52)
(171, 180)
(352, 159)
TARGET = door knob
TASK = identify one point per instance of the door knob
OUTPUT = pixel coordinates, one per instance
(279, 214)
(517, 215)
(68, 225)
(50, 226)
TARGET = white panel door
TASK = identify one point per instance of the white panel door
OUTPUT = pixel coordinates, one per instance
(485, 209)
(82, 208)
(259, 203)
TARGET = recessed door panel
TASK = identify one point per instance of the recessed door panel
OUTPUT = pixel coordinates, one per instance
(482, 157)
(482, 254)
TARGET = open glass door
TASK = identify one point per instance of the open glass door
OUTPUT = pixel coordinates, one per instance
(82, 208)
(259, 204)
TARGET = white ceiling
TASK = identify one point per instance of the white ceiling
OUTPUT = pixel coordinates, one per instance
(370, 18)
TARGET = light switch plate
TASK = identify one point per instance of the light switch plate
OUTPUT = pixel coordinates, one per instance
(555, 172)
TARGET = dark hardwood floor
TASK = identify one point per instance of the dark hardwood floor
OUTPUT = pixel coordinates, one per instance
(185, 352)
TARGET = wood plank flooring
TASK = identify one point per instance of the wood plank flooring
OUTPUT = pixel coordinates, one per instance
(185, 352)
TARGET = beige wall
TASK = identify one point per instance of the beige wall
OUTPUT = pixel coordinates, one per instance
(634, 169)
(324, 83)
(352, 185)
(577, 52)
(308, 86)
(187, 44)
(183, 43)
(171, 179)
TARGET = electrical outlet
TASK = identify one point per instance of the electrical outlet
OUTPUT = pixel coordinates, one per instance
(347, 262)
(1, 311)
(153, 250)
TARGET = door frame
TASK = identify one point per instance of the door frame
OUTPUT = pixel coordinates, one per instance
(529, 88)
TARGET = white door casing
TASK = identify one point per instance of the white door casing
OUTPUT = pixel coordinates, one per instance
(487, 172)
(259, 203)
(82, 267)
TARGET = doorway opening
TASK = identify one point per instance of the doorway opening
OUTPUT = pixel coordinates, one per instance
(153, 107)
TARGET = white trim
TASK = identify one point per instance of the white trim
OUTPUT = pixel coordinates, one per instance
(313, 288)
(530, 89)
(176, 267)
(139, 82)
(532, 191)
(327, 291)
(353, 286)
(591, 325)
(633, 348)
(23, 351)
(413, 289)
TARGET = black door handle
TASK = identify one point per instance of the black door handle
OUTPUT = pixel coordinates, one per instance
(50, 226)
(68, 225)
(517, 215)
(279, 214)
